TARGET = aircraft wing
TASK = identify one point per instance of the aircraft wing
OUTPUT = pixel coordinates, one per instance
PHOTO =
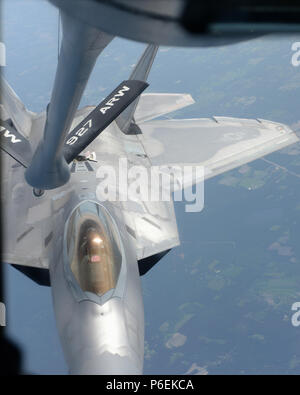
(24, 219)
(219, 143)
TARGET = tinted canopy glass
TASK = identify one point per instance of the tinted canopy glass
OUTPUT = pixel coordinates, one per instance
(93, 248)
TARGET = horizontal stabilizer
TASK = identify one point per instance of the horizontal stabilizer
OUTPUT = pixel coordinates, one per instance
(153, 105)
(98, 120)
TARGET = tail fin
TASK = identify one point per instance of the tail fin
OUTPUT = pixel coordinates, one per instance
(14, 110)
(140, 72)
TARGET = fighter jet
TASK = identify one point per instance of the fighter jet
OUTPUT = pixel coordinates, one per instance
(62, 230)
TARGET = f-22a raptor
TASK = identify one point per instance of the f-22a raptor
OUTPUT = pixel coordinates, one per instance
(60, 231)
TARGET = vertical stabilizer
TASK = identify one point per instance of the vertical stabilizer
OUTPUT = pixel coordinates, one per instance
(140, 72)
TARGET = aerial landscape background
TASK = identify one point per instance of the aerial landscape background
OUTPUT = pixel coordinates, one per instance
(221, 302)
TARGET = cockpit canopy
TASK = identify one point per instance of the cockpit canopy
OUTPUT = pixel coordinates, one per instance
(93, 248)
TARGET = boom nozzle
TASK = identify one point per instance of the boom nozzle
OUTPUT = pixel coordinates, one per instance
(44, 174)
